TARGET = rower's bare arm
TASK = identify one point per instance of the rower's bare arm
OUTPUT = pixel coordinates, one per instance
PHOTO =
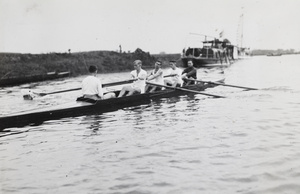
(159, 73)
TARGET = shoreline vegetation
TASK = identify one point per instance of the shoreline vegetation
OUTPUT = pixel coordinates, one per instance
(17, 65)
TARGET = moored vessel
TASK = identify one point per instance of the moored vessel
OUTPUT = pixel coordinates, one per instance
(210, 52)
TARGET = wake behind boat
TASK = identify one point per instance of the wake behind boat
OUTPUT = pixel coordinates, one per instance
(87, 107)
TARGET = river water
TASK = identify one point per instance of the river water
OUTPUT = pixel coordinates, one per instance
(247, 143)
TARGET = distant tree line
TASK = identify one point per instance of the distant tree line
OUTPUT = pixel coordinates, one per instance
(278, 51)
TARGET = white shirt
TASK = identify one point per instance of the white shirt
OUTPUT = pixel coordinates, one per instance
(157, 77)
(141, 82)
(91, 86)
(176, 78)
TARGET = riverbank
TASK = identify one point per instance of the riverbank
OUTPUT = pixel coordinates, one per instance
(24, 65)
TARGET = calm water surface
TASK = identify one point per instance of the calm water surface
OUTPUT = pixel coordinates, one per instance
(247, 143)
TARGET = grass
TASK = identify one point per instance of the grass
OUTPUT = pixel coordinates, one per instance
(20, 65)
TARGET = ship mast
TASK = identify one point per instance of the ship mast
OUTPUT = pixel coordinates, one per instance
(240, 31)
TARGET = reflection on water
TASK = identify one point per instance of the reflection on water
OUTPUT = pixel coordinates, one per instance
(94, 122)
(246, 143)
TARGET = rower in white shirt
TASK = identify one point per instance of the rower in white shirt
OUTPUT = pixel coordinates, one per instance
(156, 76)
(174, 77)
(137, 86)
(92, 86)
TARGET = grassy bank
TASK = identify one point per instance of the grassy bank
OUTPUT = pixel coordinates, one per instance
(19, 65)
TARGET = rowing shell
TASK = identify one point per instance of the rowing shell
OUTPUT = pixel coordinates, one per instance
(80, 108)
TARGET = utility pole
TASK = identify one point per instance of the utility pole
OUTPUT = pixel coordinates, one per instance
(120, 48)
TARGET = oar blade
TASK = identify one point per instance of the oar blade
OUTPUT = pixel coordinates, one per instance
(28, 94)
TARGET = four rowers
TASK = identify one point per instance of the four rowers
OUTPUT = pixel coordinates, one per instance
(175, 78)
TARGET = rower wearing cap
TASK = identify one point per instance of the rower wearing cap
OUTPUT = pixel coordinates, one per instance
(174, 77)
(92, 86)
(137, 86)
(156, 76)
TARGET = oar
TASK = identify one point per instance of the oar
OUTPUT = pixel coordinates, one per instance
(103, 85)
(185, 90)
(216, 83)
(171, 75)
(74, 89)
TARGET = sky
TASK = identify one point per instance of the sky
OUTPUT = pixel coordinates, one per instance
(35, 26)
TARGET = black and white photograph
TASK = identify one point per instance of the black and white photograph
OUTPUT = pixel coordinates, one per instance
(150, 96)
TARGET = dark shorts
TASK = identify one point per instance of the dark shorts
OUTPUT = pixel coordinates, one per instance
(83, 99)
(178, 85)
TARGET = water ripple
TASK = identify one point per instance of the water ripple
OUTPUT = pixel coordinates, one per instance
(246, 143)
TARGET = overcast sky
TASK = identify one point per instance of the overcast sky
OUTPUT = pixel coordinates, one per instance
(42, 26)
